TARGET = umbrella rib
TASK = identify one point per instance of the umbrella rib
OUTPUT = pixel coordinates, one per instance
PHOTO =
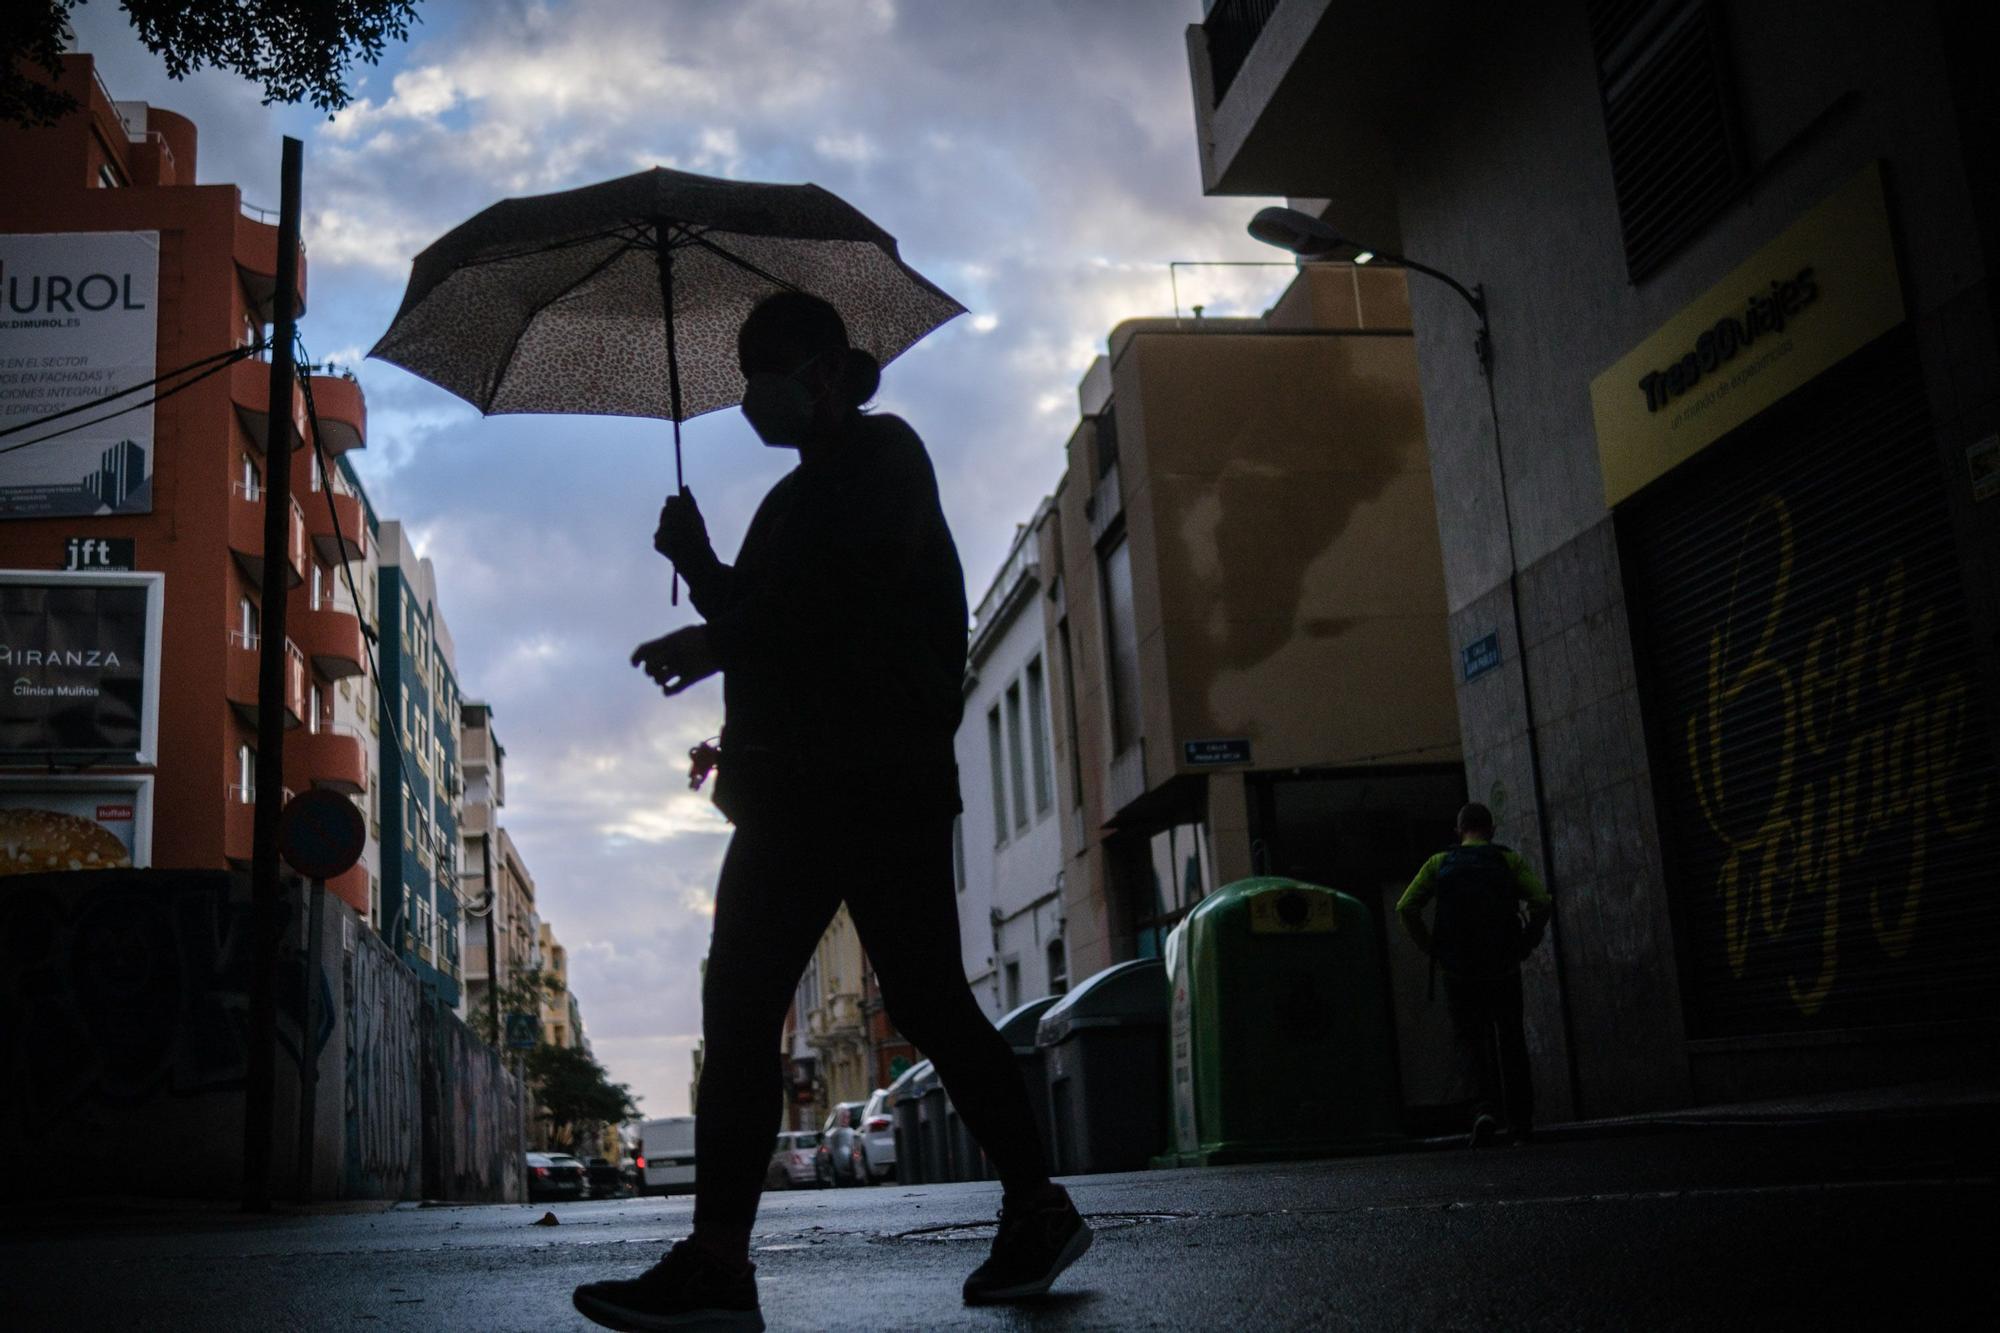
(626, 232)
(500, 372)
(741, 262)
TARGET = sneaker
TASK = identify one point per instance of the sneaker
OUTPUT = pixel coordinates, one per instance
(1035, 1244)
(687, 1290)
(1484, 1128)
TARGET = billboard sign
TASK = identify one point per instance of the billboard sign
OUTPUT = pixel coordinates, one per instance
(79, 666)
(79, 319)
(52, 824)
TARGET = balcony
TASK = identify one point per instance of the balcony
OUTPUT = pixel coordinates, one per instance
(349, 540)
(250, 391)
(256, 253)
(246, 535)
(1300, 98)
(334, 756)
(330, 636)
(351, 887)
(240, 678)
(342, 413)
(239, 824)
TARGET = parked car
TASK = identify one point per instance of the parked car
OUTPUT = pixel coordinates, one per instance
(666, 1155)
(793, 1161)
(877, 1135)
(555, 1176)
(607, 1178)
(839, 1154)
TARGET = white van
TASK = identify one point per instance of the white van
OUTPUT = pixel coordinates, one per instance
(666, 1155)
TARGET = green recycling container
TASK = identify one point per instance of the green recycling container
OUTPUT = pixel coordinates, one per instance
(1280, 1035)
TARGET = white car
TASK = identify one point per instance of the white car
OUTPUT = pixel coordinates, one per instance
(792, 1165)
(666, 1155)
(877, 1133)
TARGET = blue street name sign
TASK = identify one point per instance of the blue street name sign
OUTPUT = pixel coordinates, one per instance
(1235, 750)
(1481, 656)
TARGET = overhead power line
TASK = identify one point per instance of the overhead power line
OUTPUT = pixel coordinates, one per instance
(215, 365)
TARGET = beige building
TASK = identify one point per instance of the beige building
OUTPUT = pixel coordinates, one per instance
(562, 1018)
(1245, 608)
(830, 1008)
(490, 858)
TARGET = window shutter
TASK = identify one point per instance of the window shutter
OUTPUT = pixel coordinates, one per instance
(1670, 121)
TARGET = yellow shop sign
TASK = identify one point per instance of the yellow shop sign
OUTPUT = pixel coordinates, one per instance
(1825, 288)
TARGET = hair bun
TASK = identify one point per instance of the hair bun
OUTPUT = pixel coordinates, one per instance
(861, 373)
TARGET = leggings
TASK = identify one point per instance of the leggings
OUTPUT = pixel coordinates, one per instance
(781, 884)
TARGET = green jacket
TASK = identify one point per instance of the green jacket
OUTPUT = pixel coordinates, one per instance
(1410, 907)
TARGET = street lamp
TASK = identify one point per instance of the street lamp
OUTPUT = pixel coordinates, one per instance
(1309, 237)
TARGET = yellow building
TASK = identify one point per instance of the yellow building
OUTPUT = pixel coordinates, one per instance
(831, 1013)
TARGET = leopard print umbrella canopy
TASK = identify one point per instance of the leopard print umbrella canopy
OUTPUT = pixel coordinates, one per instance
(554, 303)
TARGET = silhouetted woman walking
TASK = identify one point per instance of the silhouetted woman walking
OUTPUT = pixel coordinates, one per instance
(840, 634)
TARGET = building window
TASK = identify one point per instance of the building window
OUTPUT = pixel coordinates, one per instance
(246, 623)
(1038, 736)
(314, 703)
(107, 177)
(1107, 441)
(1670, 122)
(958, 851)
(1016, 762)
(1058, 967)
(246, 774)
(1179, 874)
(1121, 646)
(1068, 668)
(253, 485)
(1010, 986)
(999, 775)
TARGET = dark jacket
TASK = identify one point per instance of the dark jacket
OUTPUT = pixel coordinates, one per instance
(841, 633)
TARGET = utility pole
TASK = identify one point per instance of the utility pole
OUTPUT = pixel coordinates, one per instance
(258, 1109)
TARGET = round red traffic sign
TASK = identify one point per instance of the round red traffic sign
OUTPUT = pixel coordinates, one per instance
(321, 833)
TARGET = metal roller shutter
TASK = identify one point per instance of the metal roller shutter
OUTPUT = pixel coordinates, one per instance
(1820, 747)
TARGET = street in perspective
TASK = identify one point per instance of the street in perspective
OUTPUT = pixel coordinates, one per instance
(1091, 664)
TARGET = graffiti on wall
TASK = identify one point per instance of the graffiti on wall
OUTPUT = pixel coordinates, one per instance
(125, 986)
(1833, 764)
(383, 1126)
(481, 1105)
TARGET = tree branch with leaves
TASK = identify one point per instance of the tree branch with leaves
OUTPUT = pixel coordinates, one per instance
(299, 50)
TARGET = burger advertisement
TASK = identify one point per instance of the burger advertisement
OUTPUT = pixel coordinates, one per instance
(49, 827)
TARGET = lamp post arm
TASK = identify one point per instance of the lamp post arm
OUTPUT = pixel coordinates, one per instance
(1475, 297)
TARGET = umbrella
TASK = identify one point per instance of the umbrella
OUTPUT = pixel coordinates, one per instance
(624, 298)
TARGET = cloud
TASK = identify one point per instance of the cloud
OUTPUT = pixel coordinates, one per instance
(1036, 158)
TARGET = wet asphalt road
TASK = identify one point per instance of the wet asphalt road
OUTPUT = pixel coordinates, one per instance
(1869, 1225)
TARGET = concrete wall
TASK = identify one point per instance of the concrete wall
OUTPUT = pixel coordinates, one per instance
(123, 1020)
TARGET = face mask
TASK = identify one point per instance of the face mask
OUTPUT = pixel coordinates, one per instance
(778, 407)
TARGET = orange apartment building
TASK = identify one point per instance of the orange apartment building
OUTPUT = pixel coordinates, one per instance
(186, 514)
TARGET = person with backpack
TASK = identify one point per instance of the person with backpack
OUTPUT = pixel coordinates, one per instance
(1478, 939)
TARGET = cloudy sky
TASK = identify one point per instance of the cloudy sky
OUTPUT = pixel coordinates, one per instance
(1035, 158)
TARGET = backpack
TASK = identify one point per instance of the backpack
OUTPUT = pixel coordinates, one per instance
(1478, 925)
